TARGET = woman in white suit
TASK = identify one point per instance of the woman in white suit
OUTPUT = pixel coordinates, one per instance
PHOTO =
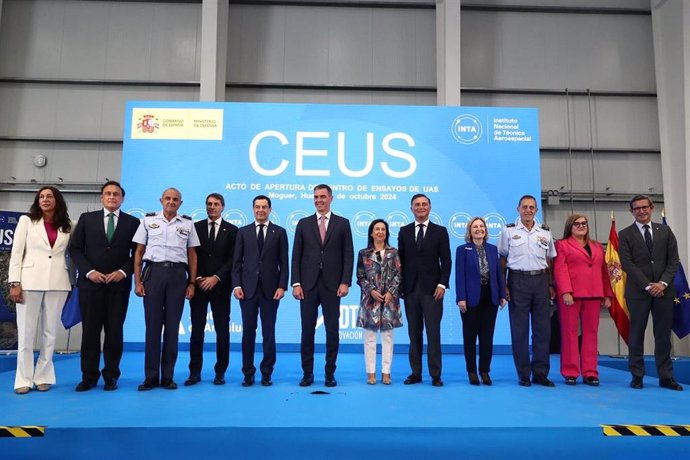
(39, 284)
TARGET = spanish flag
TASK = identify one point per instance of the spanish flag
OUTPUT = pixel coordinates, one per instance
(619, 309)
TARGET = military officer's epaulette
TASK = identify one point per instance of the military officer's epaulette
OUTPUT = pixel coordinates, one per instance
(150, 214)
(185, 216)
(545, 227)
(510, 225)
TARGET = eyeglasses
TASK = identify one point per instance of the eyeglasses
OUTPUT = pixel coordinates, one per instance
(641, 208)
(580, 224)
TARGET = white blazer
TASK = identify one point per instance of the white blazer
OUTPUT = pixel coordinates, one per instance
(34, 263)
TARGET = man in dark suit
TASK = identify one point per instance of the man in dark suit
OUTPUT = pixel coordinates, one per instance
(260, 278)
(322, 262)
(102, 248)
(424, 250)
(649, 256)
(213, 281)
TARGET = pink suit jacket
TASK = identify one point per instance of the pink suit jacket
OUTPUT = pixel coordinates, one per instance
(578, 273)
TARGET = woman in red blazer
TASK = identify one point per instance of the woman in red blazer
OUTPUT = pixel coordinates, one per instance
(583, 285)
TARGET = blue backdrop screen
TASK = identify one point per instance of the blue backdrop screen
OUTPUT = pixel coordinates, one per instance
(470, 161)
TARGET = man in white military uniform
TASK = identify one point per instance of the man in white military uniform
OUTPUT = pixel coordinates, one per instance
(526, 249)
(165, 244)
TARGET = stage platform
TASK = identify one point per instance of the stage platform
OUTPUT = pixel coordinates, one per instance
(352, 420)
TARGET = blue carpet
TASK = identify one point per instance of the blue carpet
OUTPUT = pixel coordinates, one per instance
(353, 419)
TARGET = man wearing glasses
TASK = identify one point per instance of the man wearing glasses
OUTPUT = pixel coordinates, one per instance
(649, 256)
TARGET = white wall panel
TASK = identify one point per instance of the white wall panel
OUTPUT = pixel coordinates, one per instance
(351, 52)
(31, 38)
(556, 51)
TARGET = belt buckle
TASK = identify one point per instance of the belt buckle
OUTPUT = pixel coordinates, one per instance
(484, 281)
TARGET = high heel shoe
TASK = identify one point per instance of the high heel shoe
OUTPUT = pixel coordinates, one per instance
(474, 380)
(486, 380)
(371, 379)
(386, 379)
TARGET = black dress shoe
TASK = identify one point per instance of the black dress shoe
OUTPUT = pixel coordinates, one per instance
(219, 380)
(412, 379)
(543, 381)
(591, 381)
(110, 385)
(168, 384)
(524, 382)
(670, 384)
(193, 379)
(307, 380)
(486, 379)
(636, 383)
(266, 381)
(474, 380)
(331, 381)
(570, 381)
(147, 385)
(436, 381)
(84, 386)
(248, 381)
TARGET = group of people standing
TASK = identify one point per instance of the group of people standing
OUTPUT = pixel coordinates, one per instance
(170, 258)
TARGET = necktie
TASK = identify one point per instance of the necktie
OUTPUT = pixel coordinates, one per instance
(110, 231)
(212, 234)
(647, 237)
(322, 228)
(420, 235)
(260, 238)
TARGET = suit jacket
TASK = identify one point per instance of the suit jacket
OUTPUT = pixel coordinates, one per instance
(271, 266)
(90, 249)
(215, 257)
(468, 278)
(34, 263)
(578, 273)
(427, 266)
(334, 259)
(643, 268)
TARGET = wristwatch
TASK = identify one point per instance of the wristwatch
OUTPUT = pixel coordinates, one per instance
(15, 284)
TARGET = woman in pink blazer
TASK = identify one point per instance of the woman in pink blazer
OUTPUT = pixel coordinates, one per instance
(583, 285)
(39, 284)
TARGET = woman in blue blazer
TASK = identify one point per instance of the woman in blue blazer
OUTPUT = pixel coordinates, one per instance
(479, 289)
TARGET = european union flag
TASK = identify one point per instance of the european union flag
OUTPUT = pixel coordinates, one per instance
(681, 307)
(71, 314)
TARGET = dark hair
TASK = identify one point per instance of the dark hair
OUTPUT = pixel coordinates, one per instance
(261, 197)
(468, 232)
(370, 239)
(641, 197)
(568, 229)
(528, 197)
(419, 195)
(116, 184)
(327, 187)
(60, 218)
(217, 196)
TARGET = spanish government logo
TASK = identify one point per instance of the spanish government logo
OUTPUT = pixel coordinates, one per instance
(466, 129)
(148, 124)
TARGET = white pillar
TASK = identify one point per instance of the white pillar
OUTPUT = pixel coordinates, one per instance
(448, 52)
(214, 46)
(671, 32)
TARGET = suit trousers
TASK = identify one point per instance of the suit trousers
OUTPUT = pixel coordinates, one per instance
(266, 308)
(46, 305)
(386, 350)
(529, 303)
(422, 311)
(662, 318)
(163, 304)
(584, 314)
(309, 310)
(102, 309)
(479, 321)
(220, 308)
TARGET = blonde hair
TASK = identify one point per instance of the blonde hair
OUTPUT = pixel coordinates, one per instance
(468, 232)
